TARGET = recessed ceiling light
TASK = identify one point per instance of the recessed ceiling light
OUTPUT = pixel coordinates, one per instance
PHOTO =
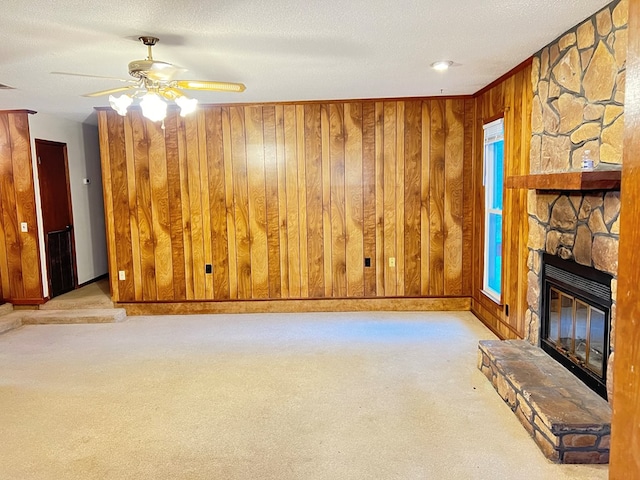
(442, 65)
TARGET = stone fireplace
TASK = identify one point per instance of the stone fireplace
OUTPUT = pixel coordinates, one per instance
(580, 228)
(578, 106)
(578, 83)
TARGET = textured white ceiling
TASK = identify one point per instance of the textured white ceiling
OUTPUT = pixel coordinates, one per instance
(281, 49)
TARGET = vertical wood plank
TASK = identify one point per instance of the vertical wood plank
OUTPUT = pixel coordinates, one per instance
(369, 195)
(25, 204)
(467, 188)
(229, 204)
(412, 198)
(205, 200)
(5, 164)
(436, 198)
(453, 196)
(525, 98)
(217, 203)
(302, 200)
(313, 170)
(105, 164)
(478, 202)
(119, 185)
(160, 211)
(282, 201)
(185, 201)
(272, 200)
(399, 217)
(379, 159)
(425, 210)
(327, 228)
(390, 212)
(133, 210)
(195, 207)
(175, 206)
(338, 227)
(354, 215)
(625, 428)
(257, 203)
(507, 202)
(9, 212)
(271, 192)
(293, 196)
(241, 201)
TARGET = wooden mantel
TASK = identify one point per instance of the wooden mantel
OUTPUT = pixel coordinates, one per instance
(583, 180)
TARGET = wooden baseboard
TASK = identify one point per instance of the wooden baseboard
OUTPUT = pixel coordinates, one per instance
(28, 301)
(297, 305)
(502, 330)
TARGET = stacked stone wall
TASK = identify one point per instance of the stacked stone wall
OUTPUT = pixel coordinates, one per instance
(578, 83)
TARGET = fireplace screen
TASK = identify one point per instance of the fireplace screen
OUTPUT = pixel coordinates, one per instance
(575, 323)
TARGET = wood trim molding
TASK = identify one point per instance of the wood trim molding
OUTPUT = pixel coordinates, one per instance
(501, 79)
(30, 112)
(28, 301)
(314, 102)
(297, 306)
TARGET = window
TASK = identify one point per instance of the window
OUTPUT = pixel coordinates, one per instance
(493, 182)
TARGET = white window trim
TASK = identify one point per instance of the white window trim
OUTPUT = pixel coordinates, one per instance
(493, 132)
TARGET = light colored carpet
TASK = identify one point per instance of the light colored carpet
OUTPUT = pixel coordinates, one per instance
(294, 396)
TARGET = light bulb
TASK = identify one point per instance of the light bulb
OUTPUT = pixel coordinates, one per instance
(442, 65)
(120, 104)
(187, 105)
(153, 107)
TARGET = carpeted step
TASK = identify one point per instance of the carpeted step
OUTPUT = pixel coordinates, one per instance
(5, 309)
(43, 317)
(9, 322)
(75, 301)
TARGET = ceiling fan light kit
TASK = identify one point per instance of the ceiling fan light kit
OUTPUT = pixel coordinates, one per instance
(153, 84)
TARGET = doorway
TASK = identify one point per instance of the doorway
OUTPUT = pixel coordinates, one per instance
(57, 218)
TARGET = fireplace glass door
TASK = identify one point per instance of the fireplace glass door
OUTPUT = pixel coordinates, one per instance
(576, 319)
(577, 329)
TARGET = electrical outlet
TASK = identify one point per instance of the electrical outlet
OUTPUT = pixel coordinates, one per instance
(24, 227)
(122, 275)
(392, 261)
(367, 262)
(208, 268)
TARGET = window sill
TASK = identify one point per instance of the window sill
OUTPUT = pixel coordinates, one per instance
(492, 297)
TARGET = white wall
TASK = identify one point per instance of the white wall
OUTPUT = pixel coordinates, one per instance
(83, 152)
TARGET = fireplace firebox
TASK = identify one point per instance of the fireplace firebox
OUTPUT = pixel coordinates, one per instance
(575, 323)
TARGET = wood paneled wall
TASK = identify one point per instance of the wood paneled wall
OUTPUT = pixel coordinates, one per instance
(287, 201)
(20, 274)
(512, 97)
(625, 425)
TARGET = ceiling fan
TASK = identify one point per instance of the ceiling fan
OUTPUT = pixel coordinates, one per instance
(152, 82)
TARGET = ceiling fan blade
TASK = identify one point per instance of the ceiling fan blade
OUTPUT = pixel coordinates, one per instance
(93, 76)
(108, 92)
(162, 71)
(208, 85)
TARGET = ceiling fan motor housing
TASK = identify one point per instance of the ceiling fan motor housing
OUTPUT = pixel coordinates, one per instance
(139, 68)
